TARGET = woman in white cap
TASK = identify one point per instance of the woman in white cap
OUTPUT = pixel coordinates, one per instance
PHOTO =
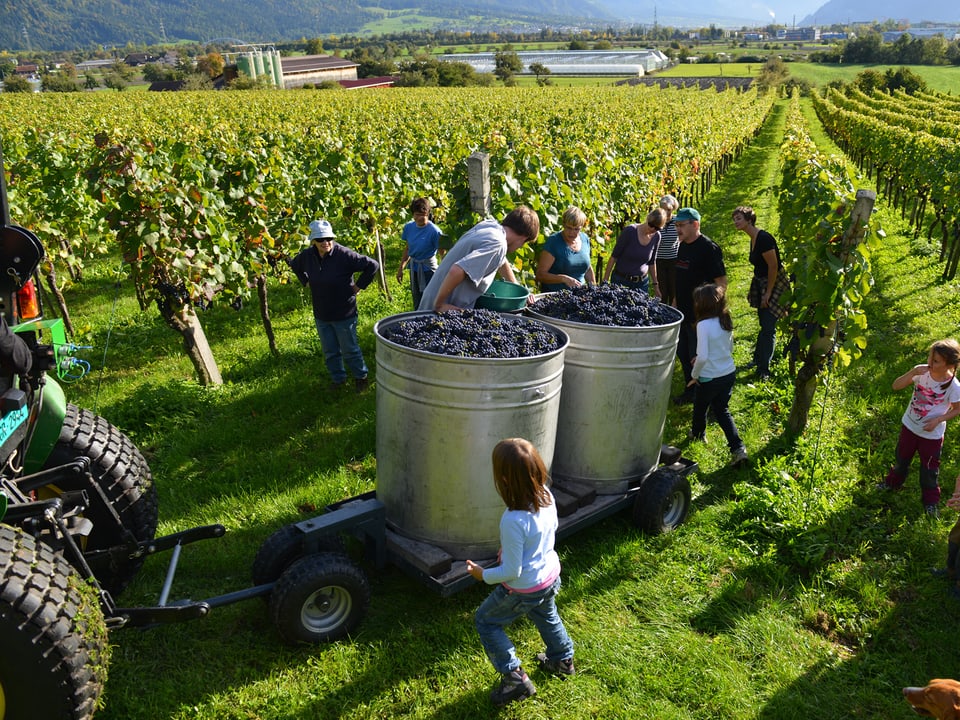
(329, 269)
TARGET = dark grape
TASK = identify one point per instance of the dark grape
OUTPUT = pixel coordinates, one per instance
(474, 333)
(612, 305)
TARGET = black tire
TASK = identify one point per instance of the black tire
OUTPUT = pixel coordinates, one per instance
(121, 471)
(282, 548)
(319, 598)
(662, 502)
(53, 643)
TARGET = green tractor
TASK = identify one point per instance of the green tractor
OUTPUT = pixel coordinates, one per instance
(78, 510)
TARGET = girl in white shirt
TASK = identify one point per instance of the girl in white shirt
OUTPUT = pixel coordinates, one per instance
(527, 577)
(713, 368)
(935, 400)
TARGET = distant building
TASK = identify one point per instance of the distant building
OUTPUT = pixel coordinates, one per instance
(574, 62)
(754, 37)
(384, 81)
(804, 34)
(315, 69)
(949, 33)
(833, 36)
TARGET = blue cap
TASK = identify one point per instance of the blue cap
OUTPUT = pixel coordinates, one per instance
(321, 229)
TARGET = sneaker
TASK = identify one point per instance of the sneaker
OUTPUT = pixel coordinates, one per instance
(943, 573)
(932, 511)
(738, 457)
(884, 485)
(702, 437)
(362, 384)
(514, 685)
(684, 398)
(749, 366)
(561, 668)
(336, 385)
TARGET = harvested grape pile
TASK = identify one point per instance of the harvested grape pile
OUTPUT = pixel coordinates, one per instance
(474, 333)
(613, 305)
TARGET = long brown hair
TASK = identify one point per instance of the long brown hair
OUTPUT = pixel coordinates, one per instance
(710, 300)
(520, 475)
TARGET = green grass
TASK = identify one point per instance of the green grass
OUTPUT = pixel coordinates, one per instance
(945, 79)
(795, 590)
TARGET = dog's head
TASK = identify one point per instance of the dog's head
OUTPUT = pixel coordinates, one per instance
(940, 699)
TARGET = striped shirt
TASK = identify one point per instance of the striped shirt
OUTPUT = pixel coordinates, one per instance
(669, 242)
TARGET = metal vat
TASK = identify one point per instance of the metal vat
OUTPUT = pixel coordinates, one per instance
(616, 390)
(438, 420)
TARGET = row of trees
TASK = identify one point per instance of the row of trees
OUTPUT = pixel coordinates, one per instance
(905, 50)
(203, 196)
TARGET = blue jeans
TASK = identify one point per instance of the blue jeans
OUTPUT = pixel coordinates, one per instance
(338, 338)
(687, 349)
(715, 395)
(641, 285)
(502, 607)
(420, 276)
(766, 341)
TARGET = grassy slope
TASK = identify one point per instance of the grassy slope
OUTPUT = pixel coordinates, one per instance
(704, 623)
(944, 79)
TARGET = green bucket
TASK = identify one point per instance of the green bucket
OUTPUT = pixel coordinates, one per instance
(503, 296)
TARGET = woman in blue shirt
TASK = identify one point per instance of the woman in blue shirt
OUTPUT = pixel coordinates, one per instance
(564, 260)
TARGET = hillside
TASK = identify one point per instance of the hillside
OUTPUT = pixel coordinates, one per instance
(846, 11)
(66, 25)
(63, 25)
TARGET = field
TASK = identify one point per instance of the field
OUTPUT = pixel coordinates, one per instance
(945, 79)
(796, 590)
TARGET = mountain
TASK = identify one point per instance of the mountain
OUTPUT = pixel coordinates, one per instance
(70, 24)
(848, 11)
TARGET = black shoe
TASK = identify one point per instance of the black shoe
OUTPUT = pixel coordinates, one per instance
(337, 386)
(943, 573)
(561, 668)
(685, 398)
(514, 685)
(749, 366)
(362, 384)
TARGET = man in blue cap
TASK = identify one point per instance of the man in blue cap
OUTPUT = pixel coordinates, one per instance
(699, 261)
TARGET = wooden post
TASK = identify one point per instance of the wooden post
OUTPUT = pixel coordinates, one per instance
(478, 175)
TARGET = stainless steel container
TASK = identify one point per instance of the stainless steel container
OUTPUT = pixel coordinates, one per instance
(616, 389)
(438, 420)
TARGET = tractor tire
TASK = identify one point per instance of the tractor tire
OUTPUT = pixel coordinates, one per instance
(121, 471)
(283, 547)
(662, 503)
(53, 655)
(319, 598)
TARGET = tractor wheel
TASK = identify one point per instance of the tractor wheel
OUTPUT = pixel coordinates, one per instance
(121, 471)
(282, 548)
(319, 598)
(53, 642)
(662, 502)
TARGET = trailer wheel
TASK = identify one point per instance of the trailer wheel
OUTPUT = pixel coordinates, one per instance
(662, 502)
(53, 642)
(282, 548)
(319, 598)
(120, 469)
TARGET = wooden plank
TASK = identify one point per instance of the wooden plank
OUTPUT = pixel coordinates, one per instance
(425, 557)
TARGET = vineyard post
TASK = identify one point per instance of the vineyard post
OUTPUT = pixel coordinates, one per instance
(478, 175)
(382, 259)
(820, 351)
